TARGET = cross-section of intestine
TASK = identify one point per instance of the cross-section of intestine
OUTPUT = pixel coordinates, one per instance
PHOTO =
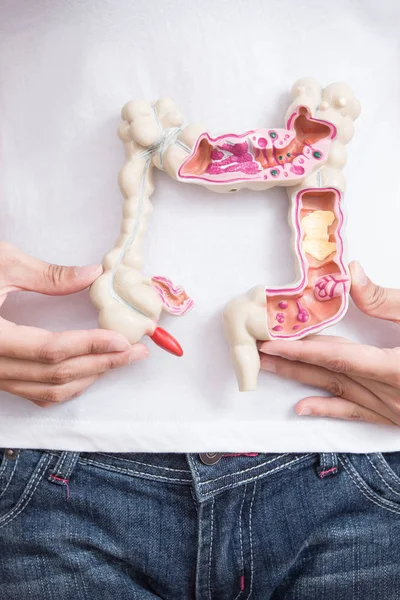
(174, 298)
(317, 299)
(275, 156)
(320, 297)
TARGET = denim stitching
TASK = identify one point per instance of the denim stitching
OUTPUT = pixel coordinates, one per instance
(11, 476)
(356, 571)
(61, 481)
(366, 491)
(28, 493)
(137, 462)
(130, 471)
(385, 503)
(197, 472)
(3, 466)
(333, 462)
(382, 478)
(251, 543)
(232, 485)
(385, 466)
(353, 579)
(327, 464)
(194, 500)
(267, 462)
(211, 545)
(58, 468)
(73, 460)
(199, 562)
(323, 464)
(60, 464)
(241, 537)
(78, 572)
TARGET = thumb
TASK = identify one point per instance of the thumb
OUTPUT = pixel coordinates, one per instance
(372, 299)
(25, 272)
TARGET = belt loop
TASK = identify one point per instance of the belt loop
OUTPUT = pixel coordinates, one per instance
(62, 471)
(328, 464)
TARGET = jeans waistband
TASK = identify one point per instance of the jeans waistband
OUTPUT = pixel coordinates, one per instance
(235, 470)
(229, 472)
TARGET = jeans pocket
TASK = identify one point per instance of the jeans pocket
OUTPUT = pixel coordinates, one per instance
(20, 474)
(377, 477)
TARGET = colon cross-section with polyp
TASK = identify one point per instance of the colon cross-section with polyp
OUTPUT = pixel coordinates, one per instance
(307, 157)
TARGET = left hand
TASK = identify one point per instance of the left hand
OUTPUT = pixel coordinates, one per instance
(364, 380)
(49, 367)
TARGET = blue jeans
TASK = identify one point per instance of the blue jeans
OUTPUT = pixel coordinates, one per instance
(94, 526)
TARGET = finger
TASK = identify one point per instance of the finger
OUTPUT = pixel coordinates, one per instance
(39, 345)
(372, 299)
(70, 369)
(350, 359)
(335, 383)
(339, 408)
(24, 272)
(318, 338)
(48, 394)
(388, 393)
(329, 338)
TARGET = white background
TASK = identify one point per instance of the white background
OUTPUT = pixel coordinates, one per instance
(66, 69)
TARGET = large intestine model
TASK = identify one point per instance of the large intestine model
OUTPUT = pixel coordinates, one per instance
(307, 157)
(129, 301)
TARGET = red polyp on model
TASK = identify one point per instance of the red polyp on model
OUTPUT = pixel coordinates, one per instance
(166, 341)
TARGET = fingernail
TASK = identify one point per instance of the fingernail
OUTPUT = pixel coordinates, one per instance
(138, 353)
(358, 274)
(89, 271)
(305, 411)
(118, 346)
(268, 365)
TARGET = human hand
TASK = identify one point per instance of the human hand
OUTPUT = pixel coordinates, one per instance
(364, 380)
(44, 366)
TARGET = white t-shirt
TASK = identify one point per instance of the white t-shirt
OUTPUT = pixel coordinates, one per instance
(66, 69)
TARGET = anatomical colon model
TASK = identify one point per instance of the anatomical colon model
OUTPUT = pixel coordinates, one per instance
(129, 301)
(307, 157)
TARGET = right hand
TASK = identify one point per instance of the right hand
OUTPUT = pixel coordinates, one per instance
(47, 367)
(364, 381)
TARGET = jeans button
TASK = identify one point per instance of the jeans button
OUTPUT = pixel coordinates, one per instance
(11, 454)
(210, 458)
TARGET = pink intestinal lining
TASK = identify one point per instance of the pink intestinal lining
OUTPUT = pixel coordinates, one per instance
(301, 286)
(252, 175)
